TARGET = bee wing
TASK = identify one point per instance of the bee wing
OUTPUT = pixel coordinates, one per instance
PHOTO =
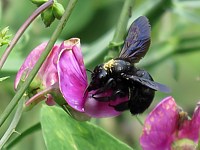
(137, 41)
(151, 84)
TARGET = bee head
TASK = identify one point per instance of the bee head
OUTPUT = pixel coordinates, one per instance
(98, 77)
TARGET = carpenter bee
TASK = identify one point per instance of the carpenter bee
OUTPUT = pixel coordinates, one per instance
(122, 77)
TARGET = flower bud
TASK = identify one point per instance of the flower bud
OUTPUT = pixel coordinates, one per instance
(38, 2)
(58, 10)
(48, 17)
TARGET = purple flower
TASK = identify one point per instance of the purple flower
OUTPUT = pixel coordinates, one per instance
(47, 74)
(167, 125)
(65, 67)
(73, 85)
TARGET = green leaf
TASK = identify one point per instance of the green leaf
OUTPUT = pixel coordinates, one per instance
(4, 78)
(62, 132)
(4, 37)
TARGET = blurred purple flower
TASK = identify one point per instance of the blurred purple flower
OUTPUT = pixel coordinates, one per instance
(166, 125)
(65, 66)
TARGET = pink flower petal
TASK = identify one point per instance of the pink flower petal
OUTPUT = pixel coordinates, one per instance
(98, 109)
(191, 128)
(29, 63)
(74, 45)
(47, 73)
(160, 125)
(72, 78)
(50, 100)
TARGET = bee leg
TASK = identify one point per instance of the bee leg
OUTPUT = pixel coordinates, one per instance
(140, 99)
(115, 94)
(121, 107)
(125, 105)
(110, 83)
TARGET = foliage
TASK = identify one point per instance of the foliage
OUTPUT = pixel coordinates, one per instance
(73, 134)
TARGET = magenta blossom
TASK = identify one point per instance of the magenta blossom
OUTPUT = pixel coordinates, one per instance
(167, 126)
(73, 85)
(65, 67)
(47, 75)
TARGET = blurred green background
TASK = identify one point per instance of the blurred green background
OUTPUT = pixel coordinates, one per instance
(173, 58)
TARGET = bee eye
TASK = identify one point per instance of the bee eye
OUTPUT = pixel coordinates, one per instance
(101, 76)
(142, 73)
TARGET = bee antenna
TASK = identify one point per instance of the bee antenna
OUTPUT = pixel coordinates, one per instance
(89, 70)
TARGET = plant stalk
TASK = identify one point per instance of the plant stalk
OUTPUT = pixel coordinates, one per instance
(121, 27)
(17, 139)
(22, 30)
(34, 71)
(13, 124)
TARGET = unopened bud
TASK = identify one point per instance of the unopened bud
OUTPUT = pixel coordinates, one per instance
(48, 17)
(38, 2)
(58, 10)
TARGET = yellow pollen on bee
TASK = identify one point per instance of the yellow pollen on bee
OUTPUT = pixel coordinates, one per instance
(109, 64)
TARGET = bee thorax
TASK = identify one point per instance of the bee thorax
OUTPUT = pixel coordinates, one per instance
(108, 65)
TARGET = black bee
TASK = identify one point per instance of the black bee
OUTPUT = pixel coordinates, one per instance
(121, 76)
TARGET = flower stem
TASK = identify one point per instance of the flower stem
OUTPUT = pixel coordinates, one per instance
(120, 31)
(121, 27)
(22, 30)
(34, 71)
(13, 124)
(17, 139)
